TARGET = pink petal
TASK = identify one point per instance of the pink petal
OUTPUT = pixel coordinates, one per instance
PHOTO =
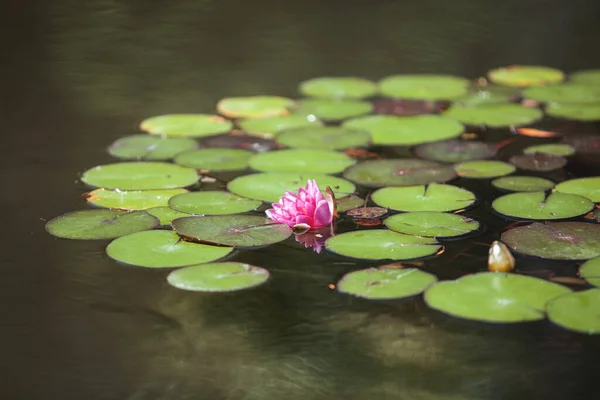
(303, 219)
(323, 215)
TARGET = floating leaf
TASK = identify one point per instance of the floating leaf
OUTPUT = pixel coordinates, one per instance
(576, 311)
(590, 271)
(189, 125)
(212, 203)
(490, 94)
(586, 77)
(254, 106)
(232, 230)
(565, 93)
(271, 126)
(218, 277)
(538, 205)
(407, 107)
(483, 169)
(140, 176)
(165, 214)
(525, 75)
(399, 172)
(246, 142)
(326, 138)
(100, 224)
(424, 87)
(556, 149)
(454, 150)
(348, 203)
(434, 197)
(162, 249)
(522, 184)
(150, 147)
(431, 224)
(131, 200)
(578, 112)
(538, 162)
(215, 159)
(338, 88)
(302, 161)
(367, 212)
(332, 110)
(495, 115)
(587, 187)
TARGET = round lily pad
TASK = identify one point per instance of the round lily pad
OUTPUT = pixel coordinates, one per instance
(189, 125)
(366, 212)
(140, 176)
(565, 93)
(522, 184)
(431, 224)
(495, 115)
(454, 150)
(556, 240)
(133, 199)
(556, 149)
(212, 203)
(348, 203)
(326, 138)
(539, 205)
(385, 283)
(494, 297)
(538, 162)
(576, 311)
(232, 230)
(381, 244)
(245, 142)
(490, 94)
(332, 110)
(587, 187)
(397, 131)
(399, 172)
(270, 186)
(215, 159)
(586, 77)
(424, 87)
(338, 88)
(162, 249)
(218, 277)
(579, 112)
(590, 271)
(165, 214)
(525, 75)
(271, 126)
(254, 106)
(484, 169)
(301, 161)
(150, 147)
(434, 197)
(100, 224)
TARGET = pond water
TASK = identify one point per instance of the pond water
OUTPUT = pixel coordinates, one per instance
(78, 75)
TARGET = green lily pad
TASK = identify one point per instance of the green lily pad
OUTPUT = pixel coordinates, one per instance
(254, 106)
(332, 110)
(522, 184)
(302, 161)
(212, 203)
(454, 150)
(525, 75)
(586, 77)
(381, 244)
(494, 297)
(490, 94)
(434, 197)
(577, 311)
(555, 240)
(271, 126)
(162, 249)
(587, 187)
(495, 115)
(326, 138)
(556, 149)
(565, 93)
(133, 199)
(338, 88)
(590, 271)
(539, 205)
(385, 283)
(215, 159)
(399, 172)
(148, 147)
(431, 224)
(165, 214)
(232, 230)
(389, 130)
(270, 186)
(541, 162)
(218, 277)
(188, 125)
(140, 176)
(424, 87)
(100, 224)
(484, 169)
(578, 112)
(348, 203)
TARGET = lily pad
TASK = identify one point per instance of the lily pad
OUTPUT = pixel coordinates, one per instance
(133, 199)
(555, 149)
(348, 203)
(484, 169)
(232, 230)
(254, 106)
(385, 283)
(100, 224)
(302, 161)
(165, 214)
(576, 311)
(424, 87)
(590, 271)
(366, 212)
(565, 93)
(495, 115)
(326, 138)
(162, 249)
(490, 94)
(522, 184)
(150, 147)
(538, 162)
(399, 172)
(406, 131)
(218, 277)
(454, 150)
(578, 112)
(215, 159)
(587, 187)
(212, 203)
(332, 110)
(381, 244)
(387, 106)
(494, 297)
(271, 126)
(556, 240)
(338, 88)
(431, 224)
(140, 176)
(539, 205)
(586, 77)
(270, 186)
(434, 197)
(188, 125)
(525, 75)
(245, 142)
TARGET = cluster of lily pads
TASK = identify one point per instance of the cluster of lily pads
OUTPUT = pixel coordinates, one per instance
(205, 181)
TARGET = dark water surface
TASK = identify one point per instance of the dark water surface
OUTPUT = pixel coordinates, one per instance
(78, 74)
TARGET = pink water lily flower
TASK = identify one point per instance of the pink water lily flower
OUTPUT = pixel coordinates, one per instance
(307, 209)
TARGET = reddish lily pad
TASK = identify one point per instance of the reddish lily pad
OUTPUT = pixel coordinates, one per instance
(246, 142)
(407, 107)
(455, 151)
(367, 212)
(538, 162)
